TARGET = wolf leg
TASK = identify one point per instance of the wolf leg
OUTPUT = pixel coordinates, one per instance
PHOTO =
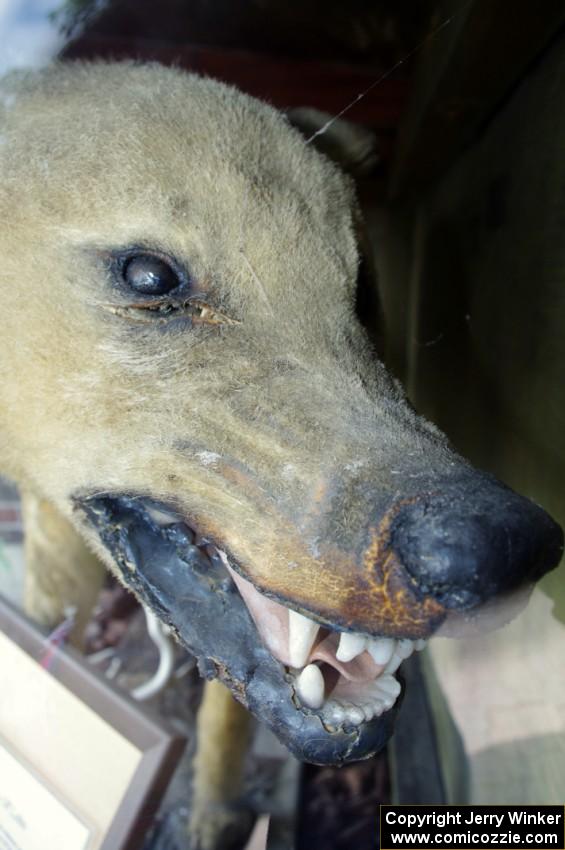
(223, 734)
(60, 572)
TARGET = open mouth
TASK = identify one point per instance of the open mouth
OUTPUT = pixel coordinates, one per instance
(329, 695)
(349, 677)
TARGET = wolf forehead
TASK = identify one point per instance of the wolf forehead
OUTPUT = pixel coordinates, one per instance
(100, 158)
(163, 144)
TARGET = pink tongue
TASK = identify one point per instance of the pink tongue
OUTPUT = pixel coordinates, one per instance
(271, 620)
(361, 669)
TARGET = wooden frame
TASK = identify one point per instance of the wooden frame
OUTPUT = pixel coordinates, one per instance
(101, 761)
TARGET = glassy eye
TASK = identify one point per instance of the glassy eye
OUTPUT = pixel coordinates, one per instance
(150, 275)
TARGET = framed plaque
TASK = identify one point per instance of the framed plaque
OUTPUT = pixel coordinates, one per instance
(82, 767)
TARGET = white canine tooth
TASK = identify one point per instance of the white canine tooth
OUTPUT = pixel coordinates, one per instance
(420, 644)
(310, 686)
(404, 648)
(381, 649)
(350, 646)
(301, 636)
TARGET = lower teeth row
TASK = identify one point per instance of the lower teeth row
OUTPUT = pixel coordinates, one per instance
(382, 696)
(378, 696)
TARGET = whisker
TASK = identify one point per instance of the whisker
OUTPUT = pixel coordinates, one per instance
(255, 277)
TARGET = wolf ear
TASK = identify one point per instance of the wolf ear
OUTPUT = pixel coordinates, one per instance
(353, 147)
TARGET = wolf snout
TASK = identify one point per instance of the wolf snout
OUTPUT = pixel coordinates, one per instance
(474, 539)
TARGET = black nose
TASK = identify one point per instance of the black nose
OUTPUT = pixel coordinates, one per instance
(473, 538)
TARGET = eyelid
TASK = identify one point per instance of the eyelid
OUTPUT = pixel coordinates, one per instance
(162, 310)
(194, 298)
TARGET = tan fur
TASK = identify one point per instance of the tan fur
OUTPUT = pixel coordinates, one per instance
(61, 573)
(246, 420)
(255, 406)
(223, 731)
(101, 157)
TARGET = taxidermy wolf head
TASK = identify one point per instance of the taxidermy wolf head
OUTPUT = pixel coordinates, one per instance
(185, 378)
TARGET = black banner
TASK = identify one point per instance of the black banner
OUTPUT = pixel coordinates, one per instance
(478, 827)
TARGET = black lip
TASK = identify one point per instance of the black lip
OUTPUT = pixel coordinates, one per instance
(193, 594)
